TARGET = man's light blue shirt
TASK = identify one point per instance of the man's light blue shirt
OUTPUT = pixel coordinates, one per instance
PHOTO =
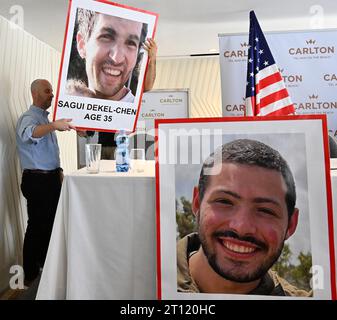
(36, 153)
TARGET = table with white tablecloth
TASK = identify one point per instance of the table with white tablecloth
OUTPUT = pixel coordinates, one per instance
(103, 241)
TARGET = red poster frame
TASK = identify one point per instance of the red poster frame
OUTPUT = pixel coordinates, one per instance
(158, 122)
(62, 61)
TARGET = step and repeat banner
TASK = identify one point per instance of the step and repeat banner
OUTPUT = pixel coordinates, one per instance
(162, 104)
(308, 64)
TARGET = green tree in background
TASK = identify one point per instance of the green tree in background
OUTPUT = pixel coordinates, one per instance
(299, 275)
(283, 266)
(184, 217)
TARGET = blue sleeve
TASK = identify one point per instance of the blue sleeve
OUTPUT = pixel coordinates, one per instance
(25, 129)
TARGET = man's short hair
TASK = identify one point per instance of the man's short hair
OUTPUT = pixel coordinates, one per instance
(251, 152)
(87, 20)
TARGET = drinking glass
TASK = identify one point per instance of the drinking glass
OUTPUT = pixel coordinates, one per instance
(93, 157)
(137, 160)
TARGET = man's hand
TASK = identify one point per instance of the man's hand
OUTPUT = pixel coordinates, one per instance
(151, 47)
(63, 125)
(61, 176)
(81, 133)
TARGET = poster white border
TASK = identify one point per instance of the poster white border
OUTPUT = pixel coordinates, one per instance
(319, 195)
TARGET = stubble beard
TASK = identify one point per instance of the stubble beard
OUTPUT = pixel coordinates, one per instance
(103, 91)
(236, 272)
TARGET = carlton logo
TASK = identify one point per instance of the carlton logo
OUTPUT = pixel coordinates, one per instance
(313, 103)
(330, 77)
(171, 100)
(240, 53)
(291, 78)
(152, 114)
(236, 107)
(312, 49)
(310, 41)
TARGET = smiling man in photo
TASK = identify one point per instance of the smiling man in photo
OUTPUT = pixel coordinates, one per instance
(109, 47)
(245, 210)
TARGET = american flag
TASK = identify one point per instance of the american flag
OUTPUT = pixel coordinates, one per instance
(266, 93)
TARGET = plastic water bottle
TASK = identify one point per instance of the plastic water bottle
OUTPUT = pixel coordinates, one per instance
(122, 152)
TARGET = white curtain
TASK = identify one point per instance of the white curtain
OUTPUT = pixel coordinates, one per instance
(201, 75)
(23, 58)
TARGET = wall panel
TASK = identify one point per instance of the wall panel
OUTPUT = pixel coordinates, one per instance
(23, 58)
(199, 74)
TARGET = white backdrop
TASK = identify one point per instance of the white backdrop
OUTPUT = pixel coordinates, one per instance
(162, 104)
(307, 61)
(201, 75)
(23, 58)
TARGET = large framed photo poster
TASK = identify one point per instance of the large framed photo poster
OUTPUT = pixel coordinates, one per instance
(103, 65)
(244, 209)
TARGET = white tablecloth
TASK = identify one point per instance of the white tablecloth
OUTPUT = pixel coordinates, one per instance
(103, 241)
